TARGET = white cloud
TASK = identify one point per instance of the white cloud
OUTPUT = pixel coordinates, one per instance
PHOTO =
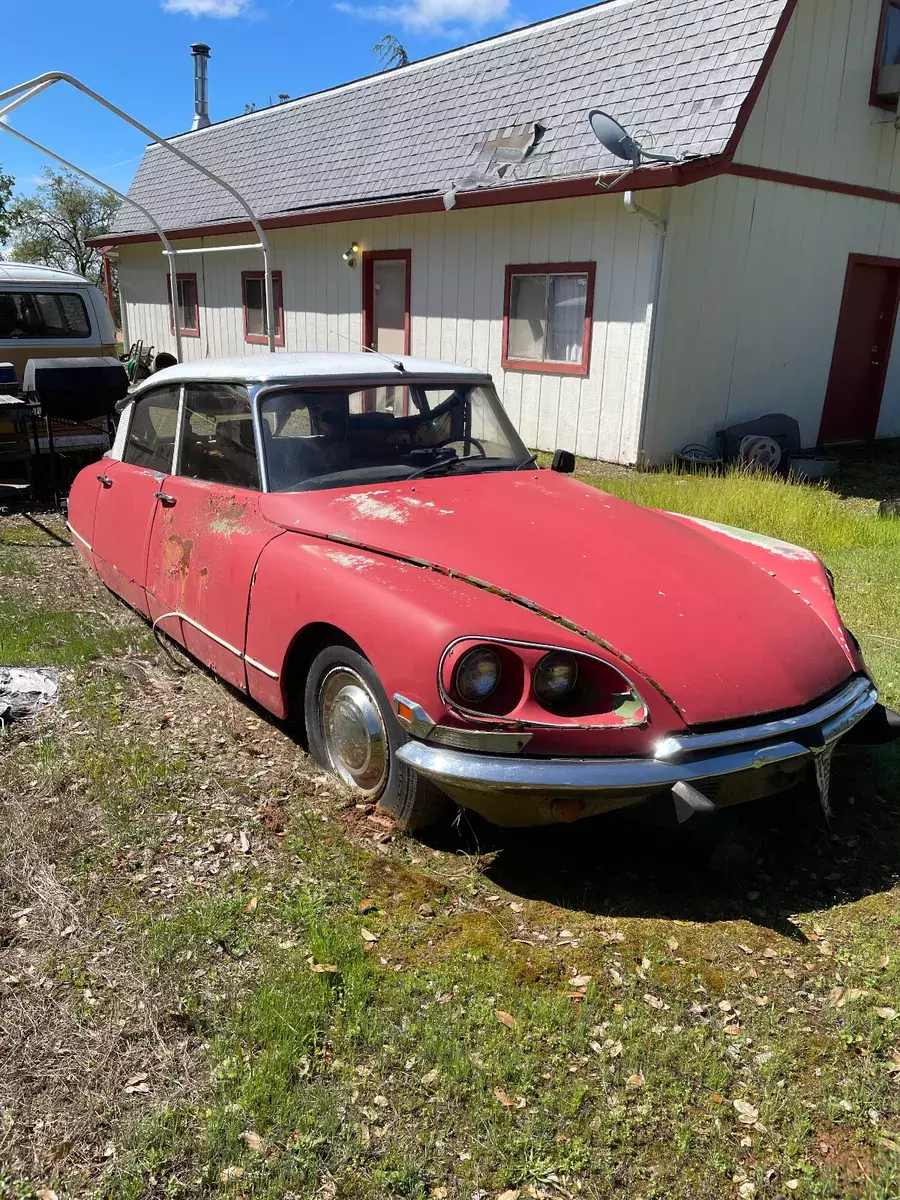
(428, 16)
(224, 9)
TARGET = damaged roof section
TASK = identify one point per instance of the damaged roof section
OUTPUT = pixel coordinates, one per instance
(677, 70)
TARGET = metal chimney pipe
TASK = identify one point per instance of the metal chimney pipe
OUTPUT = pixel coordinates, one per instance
(200, 51)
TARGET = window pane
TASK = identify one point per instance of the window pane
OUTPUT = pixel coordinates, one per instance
(565, 309)
(255, 298)
(255, 305)
(891, 52)
(218, 444)
(527, 325)
(187, 303)
(74, 314)
(151, 439)
(389, 305)
(43, 315)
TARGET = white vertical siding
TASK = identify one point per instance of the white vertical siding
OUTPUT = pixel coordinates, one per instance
(755, 276)
(459, 261)
(813, 115)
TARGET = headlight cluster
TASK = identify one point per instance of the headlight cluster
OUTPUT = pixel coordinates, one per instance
(555, 677)
(501, 678)
(477, 675)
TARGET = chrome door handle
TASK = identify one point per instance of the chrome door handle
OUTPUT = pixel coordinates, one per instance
(165, 499)
(105, 481)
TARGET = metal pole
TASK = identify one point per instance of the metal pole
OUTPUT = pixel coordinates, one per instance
(173, 277)
(51, 77)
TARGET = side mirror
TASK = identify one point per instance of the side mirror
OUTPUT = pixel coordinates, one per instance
(564, 462)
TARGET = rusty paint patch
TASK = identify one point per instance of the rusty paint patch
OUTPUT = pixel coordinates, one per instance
(226, 515)
(177, 554)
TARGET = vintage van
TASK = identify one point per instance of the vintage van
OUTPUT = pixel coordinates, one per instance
(46, 313)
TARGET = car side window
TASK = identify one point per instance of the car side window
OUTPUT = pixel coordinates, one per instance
(151, 438)
(217, 443)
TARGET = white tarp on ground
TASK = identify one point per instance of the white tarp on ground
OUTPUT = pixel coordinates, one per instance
(25, 691)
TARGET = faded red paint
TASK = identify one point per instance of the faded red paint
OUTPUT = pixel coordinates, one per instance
(708, 624)
(715, 632)
(203, 549)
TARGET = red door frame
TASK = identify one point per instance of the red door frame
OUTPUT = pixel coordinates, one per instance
(369, 258)
(853, 261)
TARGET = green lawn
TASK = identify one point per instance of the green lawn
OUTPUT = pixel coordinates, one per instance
(228, 981)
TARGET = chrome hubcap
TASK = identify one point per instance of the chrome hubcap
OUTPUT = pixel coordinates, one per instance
(353, 731)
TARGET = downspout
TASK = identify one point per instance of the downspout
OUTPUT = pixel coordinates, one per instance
(659, 247)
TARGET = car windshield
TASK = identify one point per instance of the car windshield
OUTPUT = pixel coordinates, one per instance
(341, 436)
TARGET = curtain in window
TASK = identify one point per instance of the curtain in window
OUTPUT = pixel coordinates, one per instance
(565, 311)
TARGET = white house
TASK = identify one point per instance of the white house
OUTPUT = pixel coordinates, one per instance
(760, 273)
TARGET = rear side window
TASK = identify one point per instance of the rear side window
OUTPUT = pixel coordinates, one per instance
(151, 439)
(43, 315)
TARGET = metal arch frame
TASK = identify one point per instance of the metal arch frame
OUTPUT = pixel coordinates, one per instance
(33, 87)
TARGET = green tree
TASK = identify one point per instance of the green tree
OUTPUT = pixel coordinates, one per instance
(53, 226)
(6, 187)
(391, 53)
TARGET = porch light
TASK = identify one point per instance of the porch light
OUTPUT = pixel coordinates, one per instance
(349, 255)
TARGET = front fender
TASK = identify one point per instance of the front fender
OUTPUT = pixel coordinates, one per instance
(403, 617)
(800, 570)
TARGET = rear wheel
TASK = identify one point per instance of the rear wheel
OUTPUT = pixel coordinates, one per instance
(353, 734)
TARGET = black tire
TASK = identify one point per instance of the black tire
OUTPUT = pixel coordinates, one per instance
(413, 802)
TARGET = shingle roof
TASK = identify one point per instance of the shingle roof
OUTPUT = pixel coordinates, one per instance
(675, 72)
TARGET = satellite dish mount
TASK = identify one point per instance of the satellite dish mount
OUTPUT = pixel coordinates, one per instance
(618, 141)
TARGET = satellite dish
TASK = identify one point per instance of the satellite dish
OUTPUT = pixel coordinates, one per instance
(614, 137)
(618, 141)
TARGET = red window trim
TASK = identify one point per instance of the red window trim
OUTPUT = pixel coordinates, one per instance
(193, 331)
(262, 339)
(550, 368)
(874, 99)
(369, 258)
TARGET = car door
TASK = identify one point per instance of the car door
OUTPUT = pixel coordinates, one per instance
(208, 532)
(127, 500)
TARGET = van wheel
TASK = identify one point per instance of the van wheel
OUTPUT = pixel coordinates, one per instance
(353, 734)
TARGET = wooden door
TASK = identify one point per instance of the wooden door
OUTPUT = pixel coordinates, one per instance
(862, 348)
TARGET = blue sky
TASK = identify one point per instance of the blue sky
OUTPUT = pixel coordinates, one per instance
(136, 53)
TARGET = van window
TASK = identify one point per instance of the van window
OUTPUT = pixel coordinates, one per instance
(43, 315)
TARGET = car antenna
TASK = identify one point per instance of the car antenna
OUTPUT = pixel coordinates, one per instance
(371, 350)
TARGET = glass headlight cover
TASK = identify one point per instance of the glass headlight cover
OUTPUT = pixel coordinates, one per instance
(477, 675)
(555, 677)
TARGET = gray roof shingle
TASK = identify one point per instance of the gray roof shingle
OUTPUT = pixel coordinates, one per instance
(673, 71)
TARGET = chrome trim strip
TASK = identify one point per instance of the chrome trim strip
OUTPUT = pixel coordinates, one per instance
(640, 718)
(75, 533)
(573, 776)
(460, 772)
(196, 624)
(859, 689)
(251, 662)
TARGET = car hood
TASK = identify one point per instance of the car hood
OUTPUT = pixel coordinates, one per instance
(720, 635)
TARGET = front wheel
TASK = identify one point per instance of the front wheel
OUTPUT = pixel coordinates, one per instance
(354, 734)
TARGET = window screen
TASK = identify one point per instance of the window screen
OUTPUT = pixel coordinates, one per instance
(43, 315)
(188, 308)
(255, 329)
(546, 317)
(218, 443)
(151, 439)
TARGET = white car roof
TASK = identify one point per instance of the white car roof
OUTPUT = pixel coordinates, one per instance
(261, 368)
(16, 272)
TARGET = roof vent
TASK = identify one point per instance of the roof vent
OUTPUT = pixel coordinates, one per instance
(200, 51)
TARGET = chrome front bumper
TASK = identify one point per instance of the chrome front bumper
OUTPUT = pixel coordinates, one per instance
(524, 791)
